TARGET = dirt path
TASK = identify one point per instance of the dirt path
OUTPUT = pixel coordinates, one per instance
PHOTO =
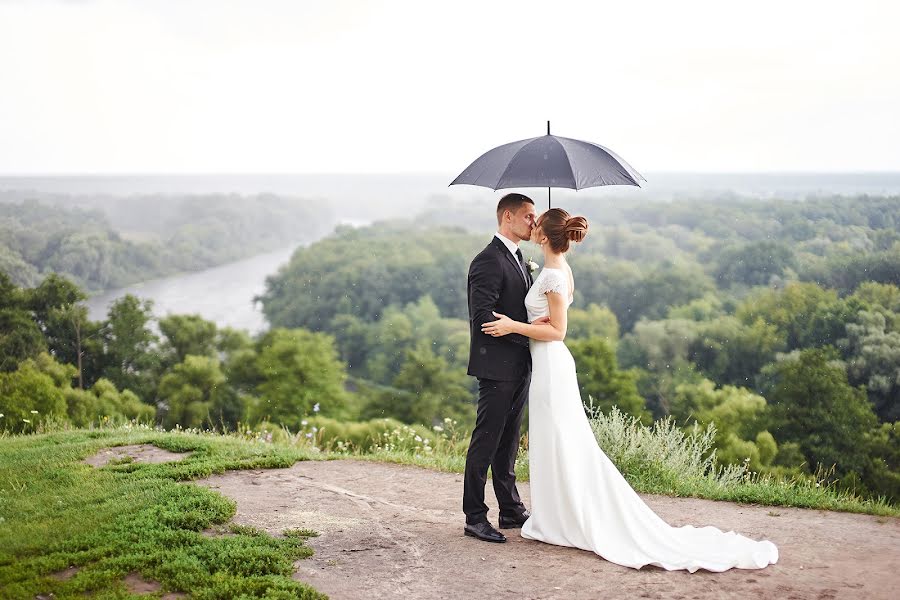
(394, 531)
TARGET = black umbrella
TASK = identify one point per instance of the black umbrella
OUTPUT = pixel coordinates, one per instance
(549, 161)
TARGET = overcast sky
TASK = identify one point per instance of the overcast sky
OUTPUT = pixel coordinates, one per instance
(223, 86)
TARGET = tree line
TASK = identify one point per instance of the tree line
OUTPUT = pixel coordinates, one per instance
(110, 244)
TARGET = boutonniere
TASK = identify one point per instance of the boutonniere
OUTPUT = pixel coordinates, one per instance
(532, 266)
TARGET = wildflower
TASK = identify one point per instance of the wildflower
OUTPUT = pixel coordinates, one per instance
(309, 435)
(438, 428)
(315, 429)
(448, 420)
(418, 438)
(303, 423)
(316, 407)
(27, 421)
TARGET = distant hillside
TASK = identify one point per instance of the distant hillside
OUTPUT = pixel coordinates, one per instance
(112, 242)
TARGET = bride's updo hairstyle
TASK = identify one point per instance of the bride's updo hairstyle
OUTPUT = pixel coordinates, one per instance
(562, 228)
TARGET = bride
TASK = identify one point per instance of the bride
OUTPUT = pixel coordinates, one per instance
(578, 496)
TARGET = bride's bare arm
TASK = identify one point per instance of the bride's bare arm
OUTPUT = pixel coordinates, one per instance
(552, 331)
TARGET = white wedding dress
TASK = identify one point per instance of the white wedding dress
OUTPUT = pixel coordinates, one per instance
(579, 498)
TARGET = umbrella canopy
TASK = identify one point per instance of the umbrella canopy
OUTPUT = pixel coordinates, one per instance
(549, 161)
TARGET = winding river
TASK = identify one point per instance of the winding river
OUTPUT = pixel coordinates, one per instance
(222, 294)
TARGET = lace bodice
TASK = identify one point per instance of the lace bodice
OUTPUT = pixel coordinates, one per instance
(548, 280)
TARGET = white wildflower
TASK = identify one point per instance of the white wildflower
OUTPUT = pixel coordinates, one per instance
(316, 407)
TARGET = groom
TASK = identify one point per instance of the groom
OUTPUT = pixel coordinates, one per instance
(498, 281)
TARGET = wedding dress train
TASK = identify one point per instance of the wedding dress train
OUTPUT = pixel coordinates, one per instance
(579, 498)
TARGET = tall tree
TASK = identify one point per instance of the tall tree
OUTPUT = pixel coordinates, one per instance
(292, 373)
(188, 334)
(131, 359)
(813, 405)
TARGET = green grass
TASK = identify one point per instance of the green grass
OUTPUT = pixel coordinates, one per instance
(56, 511)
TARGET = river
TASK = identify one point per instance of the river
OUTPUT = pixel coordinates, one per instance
(222, 294)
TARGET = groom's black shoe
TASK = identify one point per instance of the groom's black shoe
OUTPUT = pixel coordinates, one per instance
(484, 531)
(514, 522)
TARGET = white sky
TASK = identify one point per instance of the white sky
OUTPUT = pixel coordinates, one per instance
(222, 86)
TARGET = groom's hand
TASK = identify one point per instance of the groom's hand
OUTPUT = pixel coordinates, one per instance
(541, 321)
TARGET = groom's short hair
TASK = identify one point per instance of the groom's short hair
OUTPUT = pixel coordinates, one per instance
(511, 202)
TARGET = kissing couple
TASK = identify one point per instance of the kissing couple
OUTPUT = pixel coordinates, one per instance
(518, 354)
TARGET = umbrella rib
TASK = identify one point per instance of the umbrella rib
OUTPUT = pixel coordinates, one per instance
(568, 161)
(511, 159)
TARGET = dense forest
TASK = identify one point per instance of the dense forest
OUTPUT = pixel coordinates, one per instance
(104, 243)
(777, 321)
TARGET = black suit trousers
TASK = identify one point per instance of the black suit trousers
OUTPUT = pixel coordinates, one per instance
(495, 444)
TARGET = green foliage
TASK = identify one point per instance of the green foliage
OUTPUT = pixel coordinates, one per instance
(28, 396)
(291, 373)
(355, 437)
(104, 403)
(189, 334)
(700, 309)
(739, 416)
(364, 271)
(131, 360)
(657, 345)
(40, 392)
(873, 359)
(753, 263)
(652, 295)
(845, 272)
(813, 405)
(806, 314)
(20, 338)
(884, 448)
(729, 351)
(434, 390)
(603, 385)
(190, 392)
(595, 321)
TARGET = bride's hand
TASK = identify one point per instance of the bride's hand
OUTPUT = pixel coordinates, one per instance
(502, 326)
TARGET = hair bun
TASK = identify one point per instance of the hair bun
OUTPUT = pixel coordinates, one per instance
(576, 228)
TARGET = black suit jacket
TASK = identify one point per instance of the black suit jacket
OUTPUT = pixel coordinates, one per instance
(495, 283)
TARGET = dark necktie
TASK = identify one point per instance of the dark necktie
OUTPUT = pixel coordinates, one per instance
(522, 265)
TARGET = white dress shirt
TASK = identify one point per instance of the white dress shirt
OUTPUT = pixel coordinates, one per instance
(512, 247)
